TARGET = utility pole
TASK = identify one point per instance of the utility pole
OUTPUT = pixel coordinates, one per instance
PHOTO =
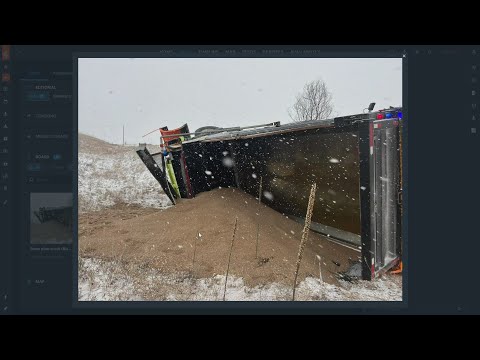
(123, 137)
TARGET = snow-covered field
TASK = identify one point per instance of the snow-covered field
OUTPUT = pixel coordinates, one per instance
(106, 179)
(113, 281)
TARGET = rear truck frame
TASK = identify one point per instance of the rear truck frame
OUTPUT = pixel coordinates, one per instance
(381, 208)
(355, 161)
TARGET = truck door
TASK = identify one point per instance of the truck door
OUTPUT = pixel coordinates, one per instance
(385, 189)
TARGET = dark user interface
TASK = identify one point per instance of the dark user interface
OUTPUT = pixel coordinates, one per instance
(99, 216)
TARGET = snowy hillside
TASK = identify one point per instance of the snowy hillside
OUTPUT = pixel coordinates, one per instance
(113, 174)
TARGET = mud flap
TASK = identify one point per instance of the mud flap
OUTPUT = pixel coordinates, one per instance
(157, 172)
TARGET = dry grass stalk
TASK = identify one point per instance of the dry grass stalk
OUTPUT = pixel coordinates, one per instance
(260, 190)
(319, 258)
(229, 257)
(256, 246)
(305, 231)
(258, 225)
(194, 252)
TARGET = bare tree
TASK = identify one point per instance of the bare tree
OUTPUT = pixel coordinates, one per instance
(313, 103)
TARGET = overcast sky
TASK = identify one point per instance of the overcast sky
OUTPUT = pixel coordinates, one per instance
(145, 94)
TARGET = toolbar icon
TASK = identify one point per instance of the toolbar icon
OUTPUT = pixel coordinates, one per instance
(5, 52)
(5, 77)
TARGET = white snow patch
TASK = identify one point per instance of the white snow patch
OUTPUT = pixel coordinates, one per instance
(104, 285)
(100, 280)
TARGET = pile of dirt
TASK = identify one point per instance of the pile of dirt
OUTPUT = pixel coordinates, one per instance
(167, 240)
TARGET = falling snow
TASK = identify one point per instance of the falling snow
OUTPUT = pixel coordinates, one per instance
(268, 195)
(227, 162)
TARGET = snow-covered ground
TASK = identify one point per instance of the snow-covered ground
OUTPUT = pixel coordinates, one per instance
(111, 178)
(109, 281)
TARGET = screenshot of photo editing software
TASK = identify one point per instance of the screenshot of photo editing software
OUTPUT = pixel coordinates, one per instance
(196, 179)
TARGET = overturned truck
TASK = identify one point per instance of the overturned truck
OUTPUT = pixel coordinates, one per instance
(356, 162)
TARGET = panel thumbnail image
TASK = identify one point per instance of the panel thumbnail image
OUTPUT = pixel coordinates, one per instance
(51, 218)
